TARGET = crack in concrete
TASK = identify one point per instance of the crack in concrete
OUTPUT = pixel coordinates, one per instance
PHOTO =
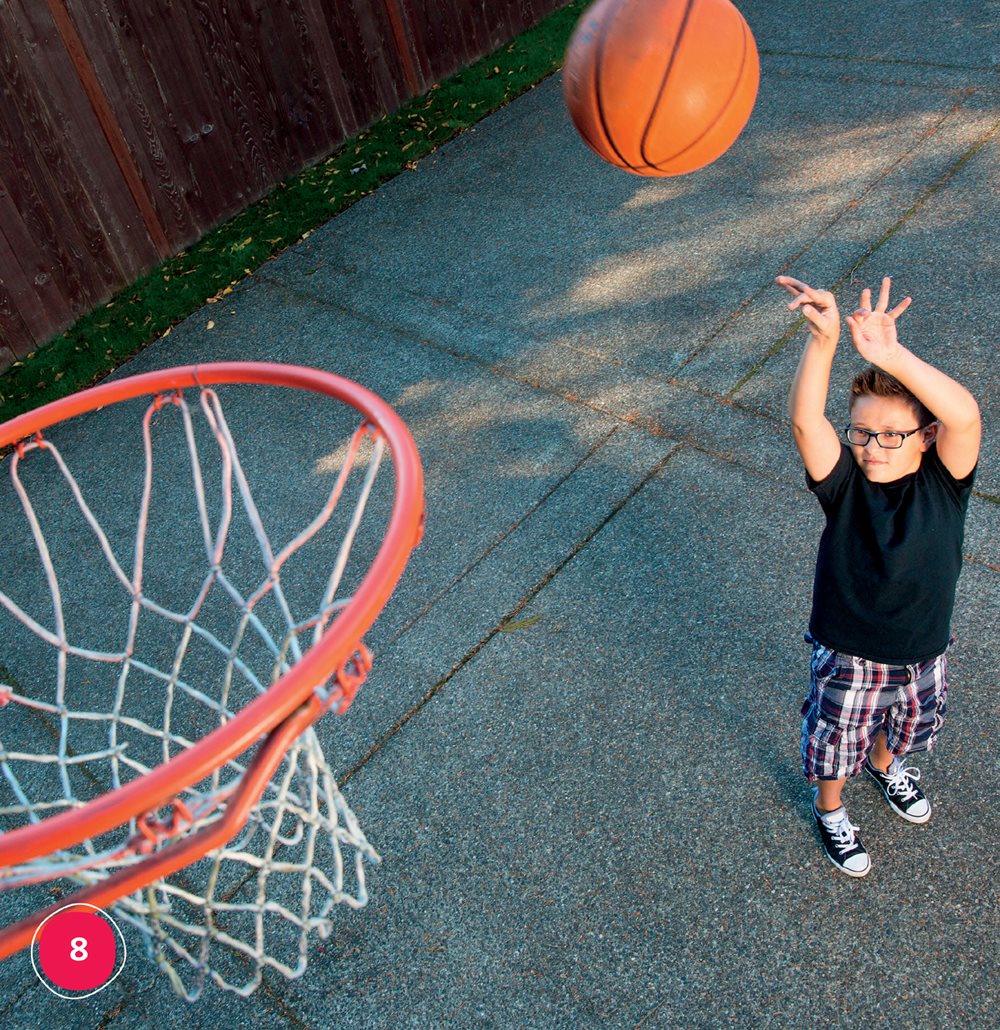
(916, 206)
(528, 597)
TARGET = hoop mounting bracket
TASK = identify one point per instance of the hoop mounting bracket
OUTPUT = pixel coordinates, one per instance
(348, 678)
(152, 832)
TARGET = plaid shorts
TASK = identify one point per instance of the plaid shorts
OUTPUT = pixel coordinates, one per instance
(850, 699)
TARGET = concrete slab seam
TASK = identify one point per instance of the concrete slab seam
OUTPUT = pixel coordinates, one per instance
(413, 620)
(616, 509)
(861, 59)
(928, 193)
(729, 319)
(863, 80)
(972, 560)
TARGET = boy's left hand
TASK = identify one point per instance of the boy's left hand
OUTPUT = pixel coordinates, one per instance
(874, 331)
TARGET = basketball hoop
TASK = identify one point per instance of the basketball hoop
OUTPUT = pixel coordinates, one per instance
(199, 805)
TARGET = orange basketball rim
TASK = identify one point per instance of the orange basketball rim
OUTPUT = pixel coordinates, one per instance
(326, 675)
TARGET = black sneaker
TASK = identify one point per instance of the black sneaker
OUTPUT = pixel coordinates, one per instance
(900, 788)
(843, 848)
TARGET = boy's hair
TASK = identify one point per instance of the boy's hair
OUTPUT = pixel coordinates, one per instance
(873, 381)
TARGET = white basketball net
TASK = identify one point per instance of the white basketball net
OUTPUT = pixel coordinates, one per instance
(253, 903)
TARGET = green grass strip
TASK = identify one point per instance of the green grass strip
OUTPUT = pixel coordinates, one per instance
(142, 312)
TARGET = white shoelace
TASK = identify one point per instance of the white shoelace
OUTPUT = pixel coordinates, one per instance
(900, 782)
(843, 833)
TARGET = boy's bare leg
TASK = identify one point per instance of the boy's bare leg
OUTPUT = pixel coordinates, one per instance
(880, 756)
(828, 799)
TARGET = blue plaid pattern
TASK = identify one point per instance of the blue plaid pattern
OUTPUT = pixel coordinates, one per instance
(850, 699)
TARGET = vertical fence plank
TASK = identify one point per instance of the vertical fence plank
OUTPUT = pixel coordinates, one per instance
(128, 130)
(73, 231)
(108, 123)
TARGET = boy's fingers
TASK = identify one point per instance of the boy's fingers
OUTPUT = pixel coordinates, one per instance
(790, 284)
(866, 300)
(801, 299)
(821, 297)
(883, 295)
(820, 319)
(900, 307)
(805, 308)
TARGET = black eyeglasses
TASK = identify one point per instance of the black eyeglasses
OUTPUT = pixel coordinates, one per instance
(889, 440)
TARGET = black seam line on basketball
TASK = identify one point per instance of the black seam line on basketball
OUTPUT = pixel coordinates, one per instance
(663, 82)
(931, 190)
(597, 446)
(530, 596)
(596, 101)
(598, 55)
(737, 81)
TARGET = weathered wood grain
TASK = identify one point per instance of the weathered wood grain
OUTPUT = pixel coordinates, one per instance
(130, 129)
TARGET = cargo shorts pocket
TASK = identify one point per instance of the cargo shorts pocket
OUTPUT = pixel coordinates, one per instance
(817, 726)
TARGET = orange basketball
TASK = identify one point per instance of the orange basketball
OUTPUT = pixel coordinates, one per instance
(661, 87)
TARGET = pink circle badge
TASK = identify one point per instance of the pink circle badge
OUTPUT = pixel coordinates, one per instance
(78, 949)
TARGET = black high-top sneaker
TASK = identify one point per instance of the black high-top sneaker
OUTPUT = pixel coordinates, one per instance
(900, 788)
(840, 841)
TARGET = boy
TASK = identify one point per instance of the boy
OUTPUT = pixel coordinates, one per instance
(895, 498)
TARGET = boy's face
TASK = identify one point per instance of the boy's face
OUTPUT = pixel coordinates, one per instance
(888, 414)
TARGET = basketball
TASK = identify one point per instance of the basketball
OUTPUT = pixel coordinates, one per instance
(661, 87)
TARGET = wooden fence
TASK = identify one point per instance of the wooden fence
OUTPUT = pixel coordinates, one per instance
(129, 128)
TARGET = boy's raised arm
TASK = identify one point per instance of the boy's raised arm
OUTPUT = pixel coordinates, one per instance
(816, 439)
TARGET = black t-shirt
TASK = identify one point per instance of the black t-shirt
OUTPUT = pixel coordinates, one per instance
(889, 560)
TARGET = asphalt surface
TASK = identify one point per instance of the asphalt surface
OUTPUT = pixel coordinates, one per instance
(578, 751)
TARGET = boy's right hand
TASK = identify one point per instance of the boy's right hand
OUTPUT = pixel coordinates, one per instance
(818, 306)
